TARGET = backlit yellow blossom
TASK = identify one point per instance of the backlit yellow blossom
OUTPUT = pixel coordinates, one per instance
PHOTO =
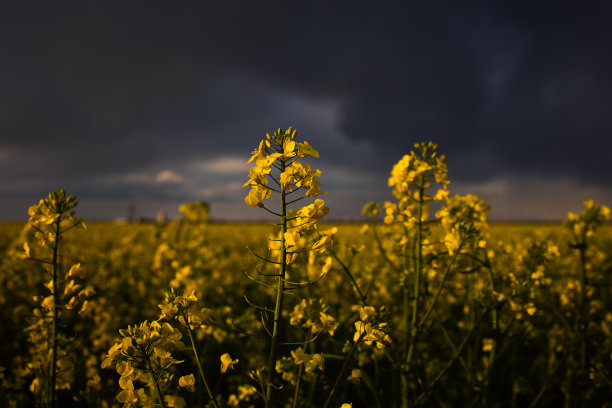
(306, 149)
(188, 382)
(227, 363)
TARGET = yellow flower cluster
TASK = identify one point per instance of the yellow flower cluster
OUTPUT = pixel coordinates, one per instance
(369, 329)
(311, 314)
(289, 367)
(179, 308)
(304, 224)
(51, 218)
(310, 361)
(282, 152)
(144, 356)
(411, 179)
(464, 220)
(196, 212)
(584, 224)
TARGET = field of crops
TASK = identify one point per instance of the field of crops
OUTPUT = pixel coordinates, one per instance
(428, 308)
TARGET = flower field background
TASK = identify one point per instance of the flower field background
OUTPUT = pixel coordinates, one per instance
(432, 307)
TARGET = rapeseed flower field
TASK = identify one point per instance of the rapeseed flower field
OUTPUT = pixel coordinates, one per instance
(423, 304)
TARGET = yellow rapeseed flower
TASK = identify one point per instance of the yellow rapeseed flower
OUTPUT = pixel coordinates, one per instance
(227, 363)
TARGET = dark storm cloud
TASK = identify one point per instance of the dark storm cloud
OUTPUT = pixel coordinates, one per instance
(528, 88)
(98, 92)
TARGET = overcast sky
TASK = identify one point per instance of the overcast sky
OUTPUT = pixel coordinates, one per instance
(155, 103)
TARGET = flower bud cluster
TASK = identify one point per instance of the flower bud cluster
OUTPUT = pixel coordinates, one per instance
(369, 329)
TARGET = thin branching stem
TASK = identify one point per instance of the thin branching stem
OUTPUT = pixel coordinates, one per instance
(258, 281)
(296, 200)
(302, 343)
(274, 179)
(266, 186)
(261, 257)
(199, 363)
(345, 362)
(427, 393)
(270, 211)
(300, 285)
(362, 296)
(265, 309)
(437, 295)
(265, 274)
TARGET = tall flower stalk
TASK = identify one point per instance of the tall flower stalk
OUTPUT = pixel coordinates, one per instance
(582, 227)
(411, 179)
(277, 159)
(50, 219)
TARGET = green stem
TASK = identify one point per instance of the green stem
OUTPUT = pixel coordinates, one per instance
(468, 372)
(279, 297)
(444, 277)
(427, 393)
(582, 318)
(350, 276)
(300, 372)
(410, 345)
(54, 325)
(381, 249)
(155, 383)
(296, 392)
(341, 374)
(197, 359)
(405, 320)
